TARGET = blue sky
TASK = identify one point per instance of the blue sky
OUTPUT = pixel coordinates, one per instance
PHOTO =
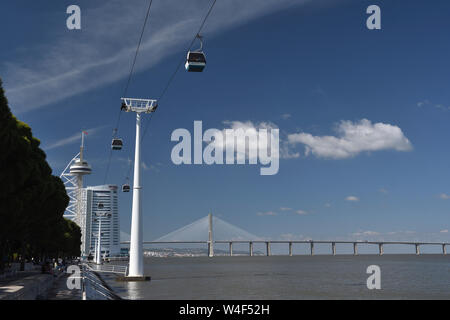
(310, 68)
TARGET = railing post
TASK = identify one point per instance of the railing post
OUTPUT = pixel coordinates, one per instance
(380, 246)
(290, 249)
(417, 249)
(444, 251)
(333, 248)
(268, 248)
(231, 249)
(312, 248)
(355, 249)
(250, 249)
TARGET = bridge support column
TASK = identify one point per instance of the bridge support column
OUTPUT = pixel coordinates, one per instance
(380, 247)
(250, 249)
(312, 248)
(210, 236)
(268, 248)
(355, 249)
(231, 249)
(290, 249)
(444, 251)
(417, 249)
(333, 248)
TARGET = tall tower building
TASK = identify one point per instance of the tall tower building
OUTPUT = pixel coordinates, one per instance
(101, 205)
(72, 176)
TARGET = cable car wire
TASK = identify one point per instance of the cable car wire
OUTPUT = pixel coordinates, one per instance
(116, 129)
(179, 65)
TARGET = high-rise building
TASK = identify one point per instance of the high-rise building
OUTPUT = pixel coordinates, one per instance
(101, 208)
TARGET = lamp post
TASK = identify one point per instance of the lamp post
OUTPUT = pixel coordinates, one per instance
(100, 217)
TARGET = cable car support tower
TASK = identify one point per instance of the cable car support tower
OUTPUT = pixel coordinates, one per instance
(136, 267)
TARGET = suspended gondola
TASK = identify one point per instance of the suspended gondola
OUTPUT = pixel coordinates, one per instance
(126, 188)
(117, 144)
(195, 60)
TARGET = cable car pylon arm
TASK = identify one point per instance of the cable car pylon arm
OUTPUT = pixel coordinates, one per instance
(139, 105)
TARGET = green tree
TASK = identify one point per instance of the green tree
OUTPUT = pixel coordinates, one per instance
(32, 200)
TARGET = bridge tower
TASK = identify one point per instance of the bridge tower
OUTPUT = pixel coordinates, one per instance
(210, 236)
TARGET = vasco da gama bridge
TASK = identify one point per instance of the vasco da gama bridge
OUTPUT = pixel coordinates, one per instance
(220, 229)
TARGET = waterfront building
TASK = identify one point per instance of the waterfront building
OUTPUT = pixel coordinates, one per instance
(101, 207)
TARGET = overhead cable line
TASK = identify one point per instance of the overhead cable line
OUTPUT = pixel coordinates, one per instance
(169, 82)
(116, 129)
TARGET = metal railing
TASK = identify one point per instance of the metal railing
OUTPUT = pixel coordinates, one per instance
(94, 287)
(108, 268)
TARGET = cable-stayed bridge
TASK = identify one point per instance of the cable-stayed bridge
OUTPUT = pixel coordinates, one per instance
(211, 230)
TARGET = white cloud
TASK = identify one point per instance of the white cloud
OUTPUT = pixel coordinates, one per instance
(444, 196)
(352, 139)
(327, 205)
(102, 53)
(301, 212)
(149, 167)
(352, 198)
(268, 213)
(294, 237)
(382, 190)
(444, 231)
(286, 116)
(251, 150)
(427, 103)
(365, 233)
(285, 209)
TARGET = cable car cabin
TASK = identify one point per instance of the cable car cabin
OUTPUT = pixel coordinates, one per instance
(117, 144)
(126, 188)
(195, 61)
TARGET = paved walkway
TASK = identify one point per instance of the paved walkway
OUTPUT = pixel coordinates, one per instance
(59, 290)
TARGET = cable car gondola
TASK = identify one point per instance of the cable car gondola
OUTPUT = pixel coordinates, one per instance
(126, 188)
(117, 144)
(195, 60)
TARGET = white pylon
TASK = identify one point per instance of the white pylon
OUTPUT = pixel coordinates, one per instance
(136, 267)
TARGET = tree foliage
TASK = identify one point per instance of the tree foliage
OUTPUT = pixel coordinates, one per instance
(32, 200)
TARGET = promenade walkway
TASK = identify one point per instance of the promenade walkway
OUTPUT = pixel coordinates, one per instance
(59, 290)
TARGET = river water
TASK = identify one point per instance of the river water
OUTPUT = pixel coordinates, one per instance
(297, 277)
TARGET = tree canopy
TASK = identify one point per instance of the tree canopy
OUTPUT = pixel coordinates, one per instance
(32, 200)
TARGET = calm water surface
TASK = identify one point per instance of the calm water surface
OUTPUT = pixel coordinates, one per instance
(297, 277)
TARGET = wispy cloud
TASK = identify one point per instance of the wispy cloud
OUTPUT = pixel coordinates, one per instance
(301, 212)
(103, 51)
(426, 103)
(365, 233)
(149, 167)
(444, 196)
(352, 198)
(76, 137)
(268, 213)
